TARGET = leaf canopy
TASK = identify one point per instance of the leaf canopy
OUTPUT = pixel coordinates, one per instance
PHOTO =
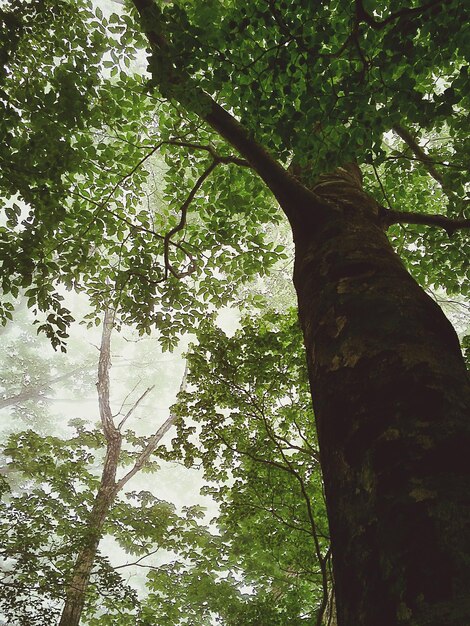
(97, 167)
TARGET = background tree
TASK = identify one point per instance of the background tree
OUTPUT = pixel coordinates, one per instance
(255, 563)
(322, 88)
(32, 374)
(56, 515)
(257, 444)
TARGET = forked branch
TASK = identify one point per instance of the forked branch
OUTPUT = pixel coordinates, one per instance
(152, 442)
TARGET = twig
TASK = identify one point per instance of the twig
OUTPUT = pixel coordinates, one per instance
(134, 406)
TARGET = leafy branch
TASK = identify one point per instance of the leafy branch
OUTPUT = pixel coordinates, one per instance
(364, 16)
(179, 85)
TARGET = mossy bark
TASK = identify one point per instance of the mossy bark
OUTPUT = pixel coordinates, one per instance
(392, 403)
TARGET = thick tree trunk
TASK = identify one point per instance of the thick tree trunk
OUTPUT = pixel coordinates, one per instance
(76, 589)
(392, 403)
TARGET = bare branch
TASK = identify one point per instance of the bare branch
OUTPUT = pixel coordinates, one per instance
(152, 442)
(450, 225)
(134, 406)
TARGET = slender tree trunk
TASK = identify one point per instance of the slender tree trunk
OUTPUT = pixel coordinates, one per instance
(109, 487)
(76, 590)
(392, 404)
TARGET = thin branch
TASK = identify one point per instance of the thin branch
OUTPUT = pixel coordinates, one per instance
(139, 560)
(182, 223)
(420, 154)
(128, 395)
(152, 442)
(397, 157)
(208, 148)
(311, 518)
(134, 406)
(217, 159)
(376, 174)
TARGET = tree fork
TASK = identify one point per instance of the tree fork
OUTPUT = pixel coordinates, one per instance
(392, 404)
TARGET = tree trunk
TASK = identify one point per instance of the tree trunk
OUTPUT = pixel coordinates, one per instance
(76, 589)
(392, 404)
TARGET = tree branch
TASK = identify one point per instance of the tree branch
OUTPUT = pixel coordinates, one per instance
(208, 148)
(33, 391)
(364, 16)
(178, 84)
(152, 442)
(450, 225)
(420, 154)
(133, 407)
(182, 223)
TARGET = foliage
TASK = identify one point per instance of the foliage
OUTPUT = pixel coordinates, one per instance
(319, 84)
(256, 562)
(72, 197)
(109, 186)
(43, 523)
(253, 432)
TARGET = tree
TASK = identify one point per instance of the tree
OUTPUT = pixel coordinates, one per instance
(266, 475)
(54, 524)
(31, 372)
(264, 537)
(109, 486)
(326, 89)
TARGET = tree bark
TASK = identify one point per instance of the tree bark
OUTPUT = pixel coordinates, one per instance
(392, 404)
(76, 589)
